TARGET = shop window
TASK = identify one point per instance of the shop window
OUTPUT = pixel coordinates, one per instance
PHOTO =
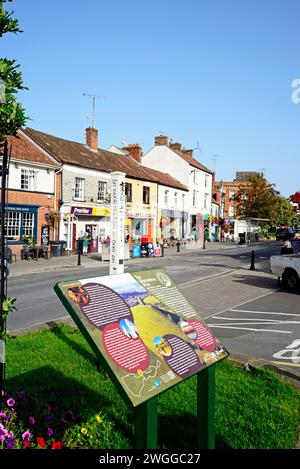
(19, 225)
(13, 226)
(102, 191)
(28, 179)
(128, 192)
(79, 189)
(28, 225)
(146, 195)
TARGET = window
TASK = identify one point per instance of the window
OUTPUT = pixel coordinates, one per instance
(102, 191)
(166, 198)
(28, 224)
(231, 195)
(175, 199)
(28, 179)
(13, 225)
(195, 176)
(206, 180)
(206, 196)
(146, 195)
(79, 189)
(19, 225)
(183, 201)
(231, 211)
(128, 191)
(194, 198)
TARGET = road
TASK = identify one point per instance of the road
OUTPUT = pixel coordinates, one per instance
(218, 283)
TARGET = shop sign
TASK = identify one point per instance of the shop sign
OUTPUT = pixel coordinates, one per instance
(96, 211)
(45, 233)
(142, 329)
(139, 215)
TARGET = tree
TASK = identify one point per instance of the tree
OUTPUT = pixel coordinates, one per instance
(295, 198)
(285, 213)
(258, 199)
(12, 114)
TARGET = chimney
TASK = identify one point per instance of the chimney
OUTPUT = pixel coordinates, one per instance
(135, 151)
(187, 152)
(175, 146)
(161, 140)
(92, 138)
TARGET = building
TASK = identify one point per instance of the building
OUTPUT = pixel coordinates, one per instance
(85, 194)
(32, 195)
(181, 165)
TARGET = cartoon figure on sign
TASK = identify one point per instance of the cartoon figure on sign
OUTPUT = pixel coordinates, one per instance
(162, 346)
(78, 295)
(129, 328)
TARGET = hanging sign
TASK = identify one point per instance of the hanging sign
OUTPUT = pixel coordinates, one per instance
(143, 329)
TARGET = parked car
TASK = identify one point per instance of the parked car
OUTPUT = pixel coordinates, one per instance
(287, 269)
(283, 234)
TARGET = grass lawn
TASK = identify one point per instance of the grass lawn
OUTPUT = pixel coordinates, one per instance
(253, 409)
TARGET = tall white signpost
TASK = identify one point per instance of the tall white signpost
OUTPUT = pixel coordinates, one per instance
(117, 221)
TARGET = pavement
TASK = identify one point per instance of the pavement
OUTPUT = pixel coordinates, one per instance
(27, 267)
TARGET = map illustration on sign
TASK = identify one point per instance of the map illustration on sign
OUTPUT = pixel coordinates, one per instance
(148, 334)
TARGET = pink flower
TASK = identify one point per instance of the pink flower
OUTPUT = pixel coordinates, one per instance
(49, 431)
(2, 415)
(26, 436)
(31, 420)
(3, 432)
(10, 402)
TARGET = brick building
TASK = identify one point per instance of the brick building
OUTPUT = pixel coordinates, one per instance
(32, 195)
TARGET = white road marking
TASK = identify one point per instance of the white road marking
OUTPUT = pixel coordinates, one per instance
(258, 321)
(248, 329)
(261, 312)
(241, 304)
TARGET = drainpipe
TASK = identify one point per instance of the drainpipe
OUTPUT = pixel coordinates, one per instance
(61, 196)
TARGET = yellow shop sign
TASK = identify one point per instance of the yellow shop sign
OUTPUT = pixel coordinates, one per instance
(101, 212)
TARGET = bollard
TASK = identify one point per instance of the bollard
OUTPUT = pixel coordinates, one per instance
(204, 247)
(252, 266)
(178, 246)
(162, 250)
(79, 250)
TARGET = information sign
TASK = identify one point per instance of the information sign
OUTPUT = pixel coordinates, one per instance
(150, 337)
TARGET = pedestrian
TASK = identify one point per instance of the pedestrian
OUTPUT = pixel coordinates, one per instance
(85, 243)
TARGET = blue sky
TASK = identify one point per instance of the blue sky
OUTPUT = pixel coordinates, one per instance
(214, 72)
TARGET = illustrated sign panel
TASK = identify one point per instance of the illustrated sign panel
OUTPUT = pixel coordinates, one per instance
(149, 335)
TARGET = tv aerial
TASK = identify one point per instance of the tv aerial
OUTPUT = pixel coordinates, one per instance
(94, 97)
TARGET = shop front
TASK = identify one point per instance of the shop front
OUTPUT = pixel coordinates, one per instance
(173, 224)
(95, 221)
(139, 227)
(21, 225)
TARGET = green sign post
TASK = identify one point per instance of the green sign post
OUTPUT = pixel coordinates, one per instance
(149, 338)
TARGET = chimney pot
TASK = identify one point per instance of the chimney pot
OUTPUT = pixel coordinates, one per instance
(161, 140)
(92, 138)
(135, 151)
(175, 146)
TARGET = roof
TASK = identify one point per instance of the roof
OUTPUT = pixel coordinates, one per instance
(79, 154)
(24, 150)
(190, 160)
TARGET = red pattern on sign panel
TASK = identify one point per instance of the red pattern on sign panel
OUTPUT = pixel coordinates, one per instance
(205, 339)
(128, 353)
